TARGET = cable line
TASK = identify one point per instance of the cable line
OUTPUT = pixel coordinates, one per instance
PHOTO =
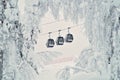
(52, 22)
(60, 29)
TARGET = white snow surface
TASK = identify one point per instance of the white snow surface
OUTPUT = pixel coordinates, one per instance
(20, 27)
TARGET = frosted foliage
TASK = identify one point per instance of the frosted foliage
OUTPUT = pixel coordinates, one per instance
(64, 74)
(88, 62)
(18, 35)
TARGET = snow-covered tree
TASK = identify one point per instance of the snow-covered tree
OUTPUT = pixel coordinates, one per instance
(18, 36)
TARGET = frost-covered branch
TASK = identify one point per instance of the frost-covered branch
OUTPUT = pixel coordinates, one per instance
(101, 24)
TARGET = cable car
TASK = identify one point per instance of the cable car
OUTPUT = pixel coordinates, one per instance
(50, 43)
(69, 37)
(60, 40)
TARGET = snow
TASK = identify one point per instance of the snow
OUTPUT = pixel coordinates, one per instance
(20, 28)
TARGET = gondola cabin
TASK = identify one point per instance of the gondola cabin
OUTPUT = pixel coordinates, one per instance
(60, 40)
(69, 37)
(50, 43)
